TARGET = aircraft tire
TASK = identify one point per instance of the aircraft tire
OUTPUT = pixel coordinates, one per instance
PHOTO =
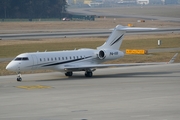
(19, 79)
(69, 74)
(88, 74)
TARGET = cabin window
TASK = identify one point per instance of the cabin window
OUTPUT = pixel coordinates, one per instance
(74, 57)
(70, 57)
(40, 59)
(77, 57)
(44, 59)
(55, 58)
(62, 58)
(51, 59)
(48, 59)
(66, 58)
(59, 58)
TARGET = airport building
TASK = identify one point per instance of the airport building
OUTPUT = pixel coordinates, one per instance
(146, 2)
(143, 2)
(122, 2)
(140, 2)
(156, 2)
(170, 1)
(127, 2)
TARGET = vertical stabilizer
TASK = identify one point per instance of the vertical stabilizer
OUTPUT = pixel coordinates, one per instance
(115, 39)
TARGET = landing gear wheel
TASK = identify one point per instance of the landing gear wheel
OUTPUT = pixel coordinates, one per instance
(69, 74)
(88, 74)
(19, 79)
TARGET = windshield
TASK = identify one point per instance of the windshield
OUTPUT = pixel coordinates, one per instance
(21, 59)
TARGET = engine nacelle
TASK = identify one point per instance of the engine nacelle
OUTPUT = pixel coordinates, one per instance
(109, 54)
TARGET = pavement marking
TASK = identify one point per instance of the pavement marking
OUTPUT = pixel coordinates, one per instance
(31, 87)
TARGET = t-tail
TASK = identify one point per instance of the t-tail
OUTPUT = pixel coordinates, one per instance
(115, 39)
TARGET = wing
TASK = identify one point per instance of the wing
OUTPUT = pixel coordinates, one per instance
(96, 66)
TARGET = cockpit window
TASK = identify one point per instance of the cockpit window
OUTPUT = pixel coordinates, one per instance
(18, 59)
(25, 58)
(21, 58)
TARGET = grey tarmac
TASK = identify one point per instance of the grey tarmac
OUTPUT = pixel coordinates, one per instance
(127, 93)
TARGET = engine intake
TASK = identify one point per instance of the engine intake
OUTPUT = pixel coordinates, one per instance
(101, 54)
(109, 54)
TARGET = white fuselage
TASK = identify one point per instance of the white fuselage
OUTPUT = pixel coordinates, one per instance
(57, 60)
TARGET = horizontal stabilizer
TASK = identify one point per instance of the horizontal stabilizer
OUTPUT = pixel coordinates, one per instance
(126, 28)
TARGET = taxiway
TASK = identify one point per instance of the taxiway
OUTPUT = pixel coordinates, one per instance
(79, 33)
(129, 93)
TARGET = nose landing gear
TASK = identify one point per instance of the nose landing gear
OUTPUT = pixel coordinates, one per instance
(19, 78)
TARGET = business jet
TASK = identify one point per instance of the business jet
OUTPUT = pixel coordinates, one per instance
(70, 61)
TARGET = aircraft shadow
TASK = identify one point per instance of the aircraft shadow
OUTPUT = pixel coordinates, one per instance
(117, 75)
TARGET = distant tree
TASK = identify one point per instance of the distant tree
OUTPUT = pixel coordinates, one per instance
(4, 8)
(32, 8)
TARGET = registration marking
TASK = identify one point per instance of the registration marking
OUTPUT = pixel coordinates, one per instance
(31, 87)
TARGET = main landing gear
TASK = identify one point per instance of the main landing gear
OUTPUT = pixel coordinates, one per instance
(69, 74)
(87, 74)
(19, 78)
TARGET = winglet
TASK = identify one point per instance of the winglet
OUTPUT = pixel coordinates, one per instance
(173, 58)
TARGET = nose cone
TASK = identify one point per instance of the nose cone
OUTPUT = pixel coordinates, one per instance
(8, 67)
(11, 67)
